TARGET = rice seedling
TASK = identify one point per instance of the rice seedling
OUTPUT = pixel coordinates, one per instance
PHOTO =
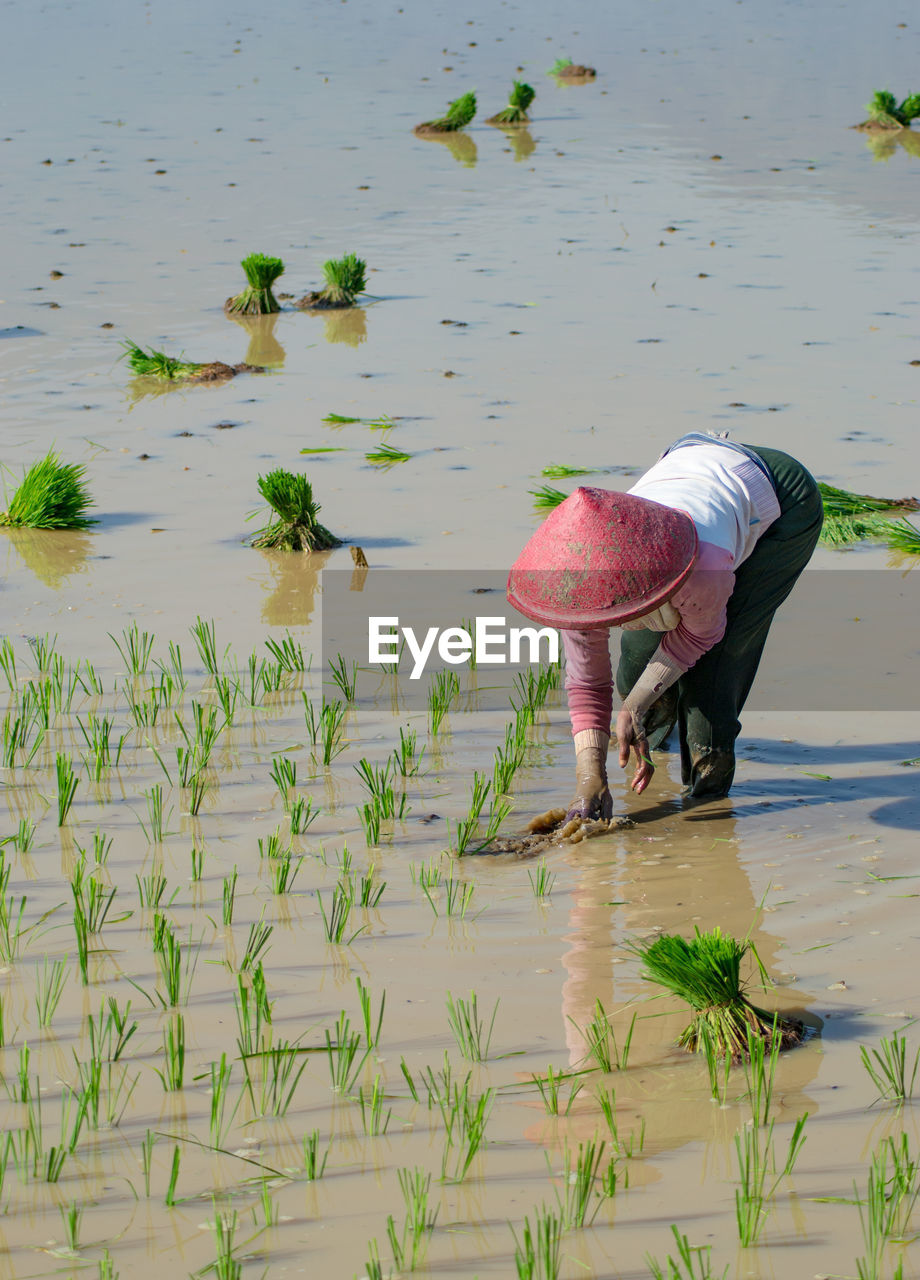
(442, 694)
(541, 880)
(283, 872)
(370, 889)
(407, 759)
(546, 498)
(757, 1163)
(335, 923)
(465, 1119)
(626, 1148)
(219, 1120)
(225, 1266)
(228, 691)
(156, 364)
(373, 1120)
(8, 663)
(176, 975)
(67, 782)
(718, 1067)
(107, 1267)
(81, 935)
(71, 1217)
(49, 987)
(386, 455)
(472, 1035)
(89, 681)
(257, 298)
(343, 1048)
(550, 1088)
(370, 817)
(109, 1032)
(287, 653)
(296, 527)
(257, 941)
(410, 1245)
(458, 115)
(51, 495)
(427, 875)
(373, 1267)
(155, 826)
(888, 1068)
(134, 649)
(228, 896)
(508, 759)
(371, 1028)
(519, 100)
(23, 837)
(104, 754)
(283, 774)
(693, 1262)
(706, 973)
(885, 110)
(281, 1066)
(253, 1013)
(205, 636)
(302, 815)
(313, 1166)
(150, 889)
(538, 1250)
(601, 1042)
(326, 729)
(578, 1180)
(173, 1177)
(173, 1070)
(458, 894)
(103, 1092)
(345, 681)
(760, 1073)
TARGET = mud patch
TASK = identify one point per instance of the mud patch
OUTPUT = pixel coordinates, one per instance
(551, 830)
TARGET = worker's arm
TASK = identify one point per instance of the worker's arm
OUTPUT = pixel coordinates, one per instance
(589, 688)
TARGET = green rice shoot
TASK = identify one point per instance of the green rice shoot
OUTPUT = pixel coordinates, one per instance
(155, 364)
(296, 527)
(560, 66)
(459, 114)
(705, 971)
(257, 298)
(885, 109)
(546, 498)
(51, 495)
(386, 455)
(562, 472)
(520, 98)
(345, 279)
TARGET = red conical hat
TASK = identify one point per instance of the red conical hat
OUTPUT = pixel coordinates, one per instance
(601, 559)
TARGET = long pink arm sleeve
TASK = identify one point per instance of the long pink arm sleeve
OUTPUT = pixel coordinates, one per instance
(588, 678)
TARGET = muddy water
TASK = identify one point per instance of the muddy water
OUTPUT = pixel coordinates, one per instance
(769, 292)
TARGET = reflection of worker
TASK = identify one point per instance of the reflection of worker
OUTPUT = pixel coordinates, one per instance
(693, 562)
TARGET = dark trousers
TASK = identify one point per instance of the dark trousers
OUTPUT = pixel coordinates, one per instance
(706, 701)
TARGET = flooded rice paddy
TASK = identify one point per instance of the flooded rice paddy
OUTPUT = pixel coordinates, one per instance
(693, 239)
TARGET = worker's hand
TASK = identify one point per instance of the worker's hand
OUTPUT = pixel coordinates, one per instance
(592, 798)
(628, 740)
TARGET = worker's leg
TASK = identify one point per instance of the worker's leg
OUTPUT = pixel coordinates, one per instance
(712, 692)
(636, 648)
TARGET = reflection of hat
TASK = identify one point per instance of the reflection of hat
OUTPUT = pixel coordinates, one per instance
(600, 559)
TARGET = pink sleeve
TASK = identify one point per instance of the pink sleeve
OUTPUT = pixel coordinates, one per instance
(701, 603)
(588, 678)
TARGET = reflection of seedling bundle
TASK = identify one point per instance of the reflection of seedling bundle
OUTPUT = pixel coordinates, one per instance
(885, 112)
(52, 495)
(706, 972)
(459, 114)
(345, 279)
(257, 298)
(297, 527)
(520, 98)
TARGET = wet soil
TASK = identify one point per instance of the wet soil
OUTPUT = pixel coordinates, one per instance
(317, 301)
(576, 71)
(217, 371)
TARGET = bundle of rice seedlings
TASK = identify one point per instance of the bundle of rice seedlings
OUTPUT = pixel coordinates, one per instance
(52, 495)
(257, 298)
(345, 279)
(296, 527)
(154, 364)
(519, 99)
(885, 112)
(705, 971)
(569, 70)
(459, 114)
(856, 517)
